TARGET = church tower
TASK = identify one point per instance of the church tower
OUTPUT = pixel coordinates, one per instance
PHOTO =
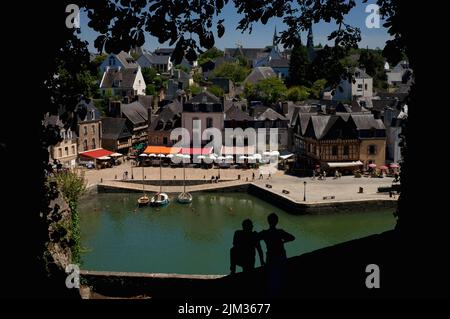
(274, 39)
(310, 44)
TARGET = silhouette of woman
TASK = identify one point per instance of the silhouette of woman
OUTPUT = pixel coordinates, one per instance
(245, 242)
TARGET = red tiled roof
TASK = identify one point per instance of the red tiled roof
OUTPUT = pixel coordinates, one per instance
(96, 153)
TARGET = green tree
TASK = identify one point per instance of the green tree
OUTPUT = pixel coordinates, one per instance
(269, 90)
(195, 90)
(182, 68)
(150, 89)
(149, 75)
(98, 60)
(372, 61)
(299, 66)
(232, 71)
(317, 88)
(209, 55)
(72, 186)
(297, 93)
(216, 90)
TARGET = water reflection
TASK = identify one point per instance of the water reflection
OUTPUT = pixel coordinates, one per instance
(179, 238)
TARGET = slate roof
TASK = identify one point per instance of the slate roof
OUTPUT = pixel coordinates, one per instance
(123, 78)
(168, 118)
(135, 112)
(204, 97)
(126, 59)
(227, 104)
(157, 59)
(304, 120)
(260, 73)
(92, 113)
(279, 63)
(367, 122)
(235, 113)
(272, 115)
(319, 123)
(164, 51)
(114, 128)
(360, 74)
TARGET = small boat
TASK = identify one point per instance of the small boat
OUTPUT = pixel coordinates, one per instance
(143, 201)
(185, 198)
(160, 199)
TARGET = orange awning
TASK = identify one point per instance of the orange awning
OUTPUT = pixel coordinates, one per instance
(161, 150)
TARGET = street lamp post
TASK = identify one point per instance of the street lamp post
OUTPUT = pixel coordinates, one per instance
(304, 191)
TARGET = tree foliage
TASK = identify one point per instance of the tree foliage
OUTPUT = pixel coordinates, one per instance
(72, 186)
(233, 71)
(151, 77)
(297, 93)
(216, 90)
(209, 55)
(268, 91)
(299, 66)
(373, 63)
(317, 88)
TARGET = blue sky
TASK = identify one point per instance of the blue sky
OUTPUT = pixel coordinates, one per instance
(262, 34)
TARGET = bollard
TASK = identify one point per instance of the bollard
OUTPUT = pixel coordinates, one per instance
(239, 176)
(115, 177)
(361, 190)
(101, 180)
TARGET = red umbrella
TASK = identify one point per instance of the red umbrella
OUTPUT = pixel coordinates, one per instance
(394, 166)
(383, 167)
(372, 165)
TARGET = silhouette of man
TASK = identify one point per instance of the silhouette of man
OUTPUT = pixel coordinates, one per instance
(245, 242)
(274, 239)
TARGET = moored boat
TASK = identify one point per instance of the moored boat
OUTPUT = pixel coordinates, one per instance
(185, 198)
(160, 199)
(143, 201)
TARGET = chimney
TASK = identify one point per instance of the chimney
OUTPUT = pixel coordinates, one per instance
(115, 109)
(285, 107)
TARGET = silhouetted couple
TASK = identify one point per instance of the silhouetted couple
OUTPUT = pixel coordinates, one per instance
(246, 243)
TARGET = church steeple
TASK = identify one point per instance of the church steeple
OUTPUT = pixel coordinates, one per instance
(274, 40)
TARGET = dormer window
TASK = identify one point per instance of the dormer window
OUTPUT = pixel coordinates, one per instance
(112, 61)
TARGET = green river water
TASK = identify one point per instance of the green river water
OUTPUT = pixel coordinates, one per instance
(196, 238)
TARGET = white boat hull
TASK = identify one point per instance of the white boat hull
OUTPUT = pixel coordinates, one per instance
(185, 198)
(143, 201)
(160, 199)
